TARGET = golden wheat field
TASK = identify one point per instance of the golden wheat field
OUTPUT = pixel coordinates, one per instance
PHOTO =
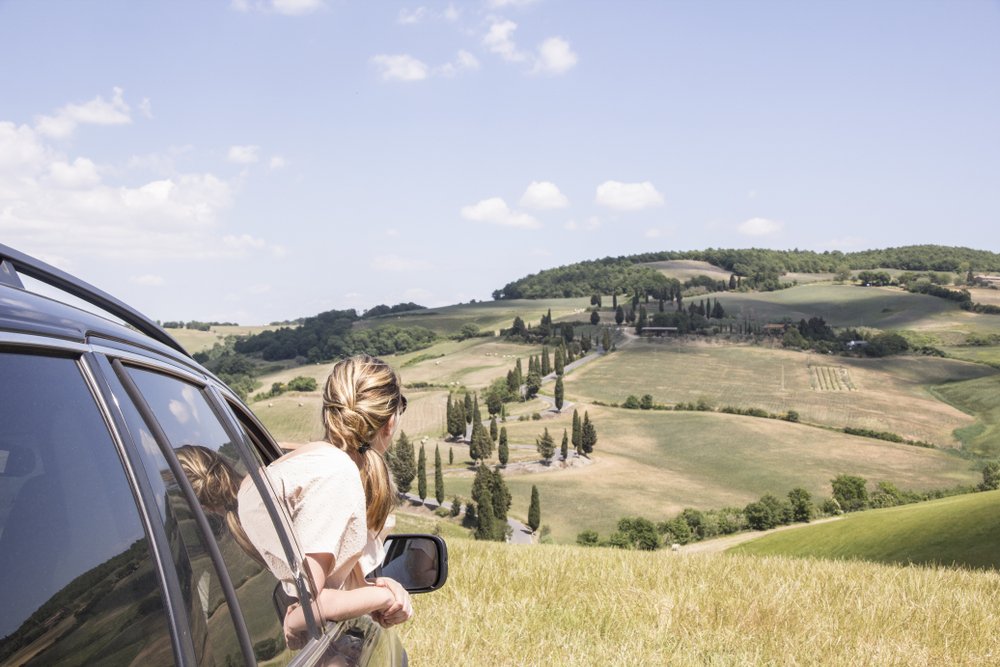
(566, 605)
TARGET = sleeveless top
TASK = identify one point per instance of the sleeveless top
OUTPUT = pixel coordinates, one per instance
(322, 493)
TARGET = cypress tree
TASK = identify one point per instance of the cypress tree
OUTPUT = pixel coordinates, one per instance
(588, 434)
(401, 463)
(606, 340)
(485, 529)
(559, 361)
(493, 429)
(456, 427)
(546, 364)
(534, 510)
(577, 440)
(519, 372)
(619, 315)
(467, 404)
(502, 451)
(564, 450)
(422, 474)
(438, 476)
(503, 413)
(449, 413)
(477, 417)
(451, 456)
(594, 317)
(559, 393)
(546, 446)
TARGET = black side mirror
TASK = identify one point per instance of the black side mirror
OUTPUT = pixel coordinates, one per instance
(418, 562)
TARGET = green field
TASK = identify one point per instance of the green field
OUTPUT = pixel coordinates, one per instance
(981, 399)
(612, 607)
(487, 315)
(961, 530)
(890, 394)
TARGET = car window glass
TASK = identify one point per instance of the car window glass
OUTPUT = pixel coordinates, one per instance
(77, 581)
(209, 460)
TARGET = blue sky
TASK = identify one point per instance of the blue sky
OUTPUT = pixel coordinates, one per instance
(259, 160)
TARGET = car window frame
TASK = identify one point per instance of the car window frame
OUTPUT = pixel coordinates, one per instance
(201, 521)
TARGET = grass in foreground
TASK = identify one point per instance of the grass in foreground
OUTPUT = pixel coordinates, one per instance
(962, 530)
(564, 605)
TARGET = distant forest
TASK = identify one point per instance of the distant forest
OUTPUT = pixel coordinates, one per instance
(756, 268)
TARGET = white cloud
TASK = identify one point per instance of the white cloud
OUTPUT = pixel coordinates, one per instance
(464, 61)
(401, 67)
(67, 208)
(590, 224)
(451, 14)
(496, 211)
(277, 162)
(397, 263)
(146, 108)
(147, 280)
(543, 195)
(81, 174)
(286, 7)
(760, 227)
(244, 154)
(411, 16)
(554, 57)
(97, 111)
(628, 196)
(498, 39)
(497, 4)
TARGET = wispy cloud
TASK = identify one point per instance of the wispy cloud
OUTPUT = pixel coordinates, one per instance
(401, 67)
(554, 55)
(760, 227)
(411, 16)
(286, 7)
(97, 111)
(496, 211)
(243, 154)
(628, 196)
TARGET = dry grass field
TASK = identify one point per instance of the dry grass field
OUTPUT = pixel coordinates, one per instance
(685, 269)
(199, 341)
(609, 607)
(653, 464)
(882, 394)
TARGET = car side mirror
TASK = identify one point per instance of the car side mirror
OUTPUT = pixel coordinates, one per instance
(418, 562)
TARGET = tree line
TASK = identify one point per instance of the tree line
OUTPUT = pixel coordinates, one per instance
(755, 268)
(850, 494)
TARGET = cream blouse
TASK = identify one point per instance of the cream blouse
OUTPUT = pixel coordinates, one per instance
(322, 492)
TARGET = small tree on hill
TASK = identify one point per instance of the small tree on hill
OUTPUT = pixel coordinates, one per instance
(595, 317)
(546, 446)
(422, 474)
(803, 509)
(559, 393)
(401, 463)
(619, 315)
(588, 434)
(577, 432)
(564, 449)
(438, 476)
(534, 510)
(502, 452)
(851, 492)
(991, 476)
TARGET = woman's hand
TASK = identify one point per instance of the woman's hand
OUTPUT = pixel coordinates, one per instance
(400, 611)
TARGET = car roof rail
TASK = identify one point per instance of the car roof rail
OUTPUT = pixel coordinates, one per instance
(13, 262)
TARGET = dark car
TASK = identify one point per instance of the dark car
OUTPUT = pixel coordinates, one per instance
(106, 555)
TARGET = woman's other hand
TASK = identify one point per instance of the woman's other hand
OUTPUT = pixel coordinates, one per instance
(400, 611)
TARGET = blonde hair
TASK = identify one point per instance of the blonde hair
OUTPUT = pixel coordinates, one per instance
(215, 483)
(362, 394)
